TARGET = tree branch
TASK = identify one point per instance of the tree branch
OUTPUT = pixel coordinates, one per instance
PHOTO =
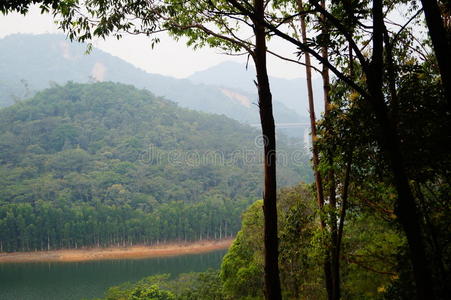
(292, 60)
(360, 264)
(304, 48)
(344, 203)
(342, 29)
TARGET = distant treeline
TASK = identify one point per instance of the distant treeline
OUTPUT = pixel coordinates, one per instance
(47, 225)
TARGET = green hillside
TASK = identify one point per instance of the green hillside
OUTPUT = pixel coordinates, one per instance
(104, 163)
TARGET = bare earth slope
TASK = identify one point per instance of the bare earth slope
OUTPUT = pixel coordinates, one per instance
(132, 252)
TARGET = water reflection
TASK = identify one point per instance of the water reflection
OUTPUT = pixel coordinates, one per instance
(58, 281)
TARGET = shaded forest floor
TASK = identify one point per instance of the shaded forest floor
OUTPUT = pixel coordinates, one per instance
(130, 252)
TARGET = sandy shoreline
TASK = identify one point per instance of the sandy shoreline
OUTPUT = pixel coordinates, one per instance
(132, 252)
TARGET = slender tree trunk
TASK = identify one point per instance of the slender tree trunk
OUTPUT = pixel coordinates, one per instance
(344, 205)
(440, 43)
(272, 279)
(344, 193)
(405, 205)
(330, 179)
(315, 156)
(391, 76)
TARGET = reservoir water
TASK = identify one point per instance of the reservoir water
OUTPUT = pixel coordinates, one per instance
(85, 280)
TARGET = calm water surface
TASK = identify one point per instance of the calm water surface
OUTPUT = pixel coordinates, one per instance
(78, 280)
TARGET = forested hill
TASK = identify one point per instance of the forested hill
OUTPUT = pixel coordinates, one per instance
(29, 63)
(105, 163)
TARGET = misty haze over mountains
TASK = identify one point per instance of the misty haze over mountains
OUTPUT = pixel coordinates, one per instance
(291, 92)
(29, 63)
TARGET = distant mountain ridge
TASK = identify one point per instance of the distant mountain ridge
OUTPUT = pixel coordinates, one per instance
(290, 92)
(29, 63)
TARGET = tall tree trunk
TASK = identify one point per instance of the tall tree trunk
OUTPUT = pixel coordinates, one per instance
(315, 156)
(440, 43)
(344, 204)
(330, 179)
(272, 279)
(405, 205)
(391, 76)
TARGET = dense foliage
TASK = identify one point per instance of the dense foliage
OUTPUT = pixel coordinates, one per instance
(107, 164)
(370, 247)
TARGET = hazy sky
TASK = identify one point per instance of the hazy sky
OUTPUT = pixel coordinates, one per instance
(168, 58)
